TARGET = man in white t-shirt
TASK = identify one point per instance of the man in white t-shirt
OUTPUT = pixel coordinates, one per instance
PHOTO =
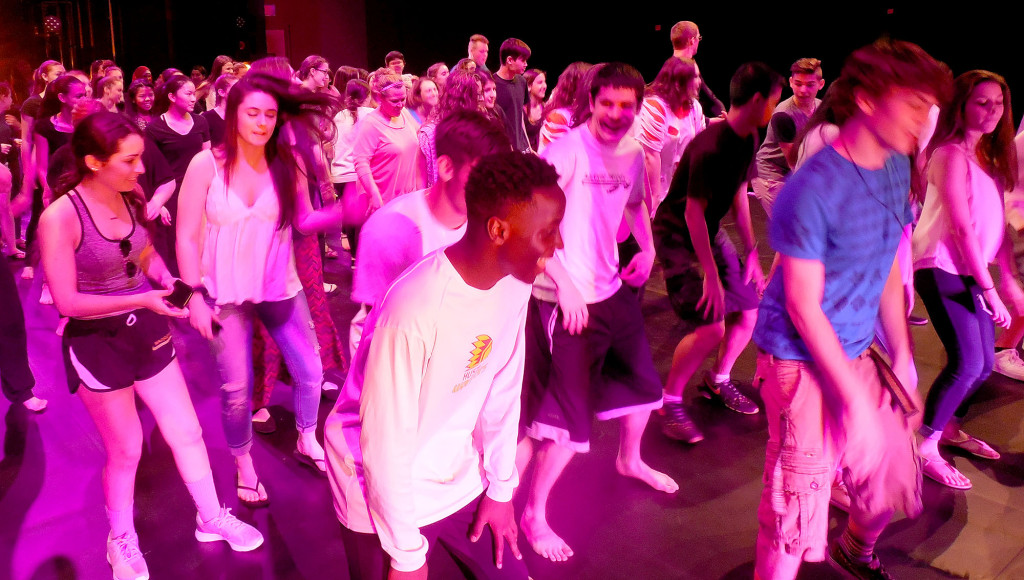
(411, 226)
(422, 443)
(582, 313)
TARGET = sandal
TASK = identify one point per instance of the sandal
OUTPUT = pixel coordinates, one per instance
(317, 465)
(935, 469)
(974, 446)
(263, 502)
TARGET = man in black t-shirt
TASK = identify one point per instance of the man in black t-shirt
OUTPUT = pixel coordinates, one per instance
(512, 90)
(714, 293)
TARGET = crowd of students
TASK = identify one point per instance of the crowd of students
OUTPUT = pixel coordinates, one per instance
(501, 242)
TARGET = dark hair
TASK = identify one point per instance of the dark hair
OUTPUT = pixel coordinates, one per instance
(616, 75)
(807, 66)
(500, 181)
(879, 67)
(995, 150)
(217, 68)
(5, 89)
(223, 83)
(513, 48)
(564, 93)
(100, 135)
(532, 74)
(435, 69)
(306, 114)
(413, 100)
(62, 85)
(100, 85)
(393, 55)
(133, 91)
(308, 64)
(485, 77)
(356, 92)
(275, 66)
(753, 78)
(467, 135)
(673, 82)
(201, 69)
(346, 73)
(461, 93)
(581, 101)
(38, 76)
(172, 85)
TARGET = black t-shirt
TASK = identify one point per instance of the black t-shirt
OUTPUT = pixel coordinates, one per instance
(158, 172)
(217, 126)
(714, 165)
(31, 106)
(512, 95)
(61, 161)
(54, 139)
(176, 148)
(6, 135)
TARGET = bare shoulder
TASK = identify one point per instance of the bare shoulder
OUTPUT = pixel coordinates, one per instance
(61, 218)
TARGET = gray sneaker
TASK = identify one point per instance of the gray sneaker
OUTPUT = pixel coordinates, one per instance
(125, 558)
(727, 393)
(676, 424)
(239, 535)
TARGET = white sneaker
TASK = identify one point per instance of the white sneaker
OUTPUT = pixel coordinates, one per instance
(1009, 364)
(125, 558)
(239, 535)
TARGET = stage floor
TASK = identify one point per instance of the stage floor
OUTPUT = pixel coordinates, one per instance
(52, 523)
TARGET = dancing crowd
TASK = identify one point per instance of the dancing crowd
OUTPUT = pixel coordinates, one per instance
(501, 240)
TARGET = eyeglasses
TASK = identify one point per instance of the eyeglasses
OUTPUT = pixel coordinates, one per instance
(130, 269)
(326, 71)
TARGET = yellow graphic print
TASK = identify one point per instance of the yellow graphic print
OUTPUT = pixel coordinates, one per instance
(481, 349)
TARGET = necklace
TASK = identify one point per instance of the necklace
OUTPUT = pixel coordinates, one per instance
(899, 186)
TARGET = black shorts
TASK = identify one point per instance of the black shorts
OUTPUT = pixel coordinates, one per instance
(686, 288)
(605, 371)
(111, 353)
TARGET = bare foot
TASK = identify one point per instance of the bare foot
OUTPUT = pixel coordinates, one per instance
(644, 473)
(35, 404)
(543, 539)
(248, 485)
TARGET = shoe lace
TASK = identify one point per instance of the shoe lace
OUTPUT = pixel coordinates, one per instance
(126, 548)
(728, 390)
(676, 414)
(225, 522)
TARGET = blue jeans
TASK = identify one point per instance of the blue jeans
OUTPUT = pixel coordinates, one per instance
(290, 325)
(968, 334)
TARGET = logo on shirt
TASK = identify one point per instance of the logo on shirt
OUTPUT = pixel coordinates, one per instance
(481, 349)
(609, 182)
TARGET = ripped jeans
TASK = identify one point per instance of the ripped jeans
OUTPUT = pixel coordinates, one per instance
(289, 323)
(806, 443)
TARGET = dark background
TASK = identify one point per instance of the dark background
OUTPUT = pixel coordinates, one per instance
(181, 33)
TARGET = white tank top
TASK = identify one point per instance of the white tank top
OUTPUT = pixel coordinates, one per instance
(246, 257)
(933, 244)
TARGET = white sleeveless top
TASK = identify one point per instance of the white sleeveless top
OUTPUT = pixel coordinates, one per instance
(933, 243)
(246, 257)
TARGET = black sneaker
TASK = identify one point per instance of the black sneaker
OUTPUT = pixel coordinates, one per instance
(728, 394)
(843, 563)
(676, 424)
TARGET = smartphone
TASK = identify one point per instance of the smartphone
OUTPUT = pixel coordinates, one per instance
(180, 295)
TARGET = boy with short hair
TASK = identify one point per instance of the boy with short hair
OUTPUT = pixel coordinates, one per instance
(512, 90)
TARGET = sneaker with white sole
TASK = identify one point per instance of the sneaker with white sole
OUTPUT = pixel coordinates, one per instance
(1009, 364)
(239, 535)
(125, 558)
(726, 393)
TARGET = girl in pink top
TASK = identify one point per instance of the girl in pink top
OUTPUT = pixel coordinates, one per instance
(250, 194)
(971, 163)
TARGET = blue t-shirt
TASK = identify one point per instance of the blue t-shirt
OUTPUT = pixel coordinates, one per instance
(850, 219)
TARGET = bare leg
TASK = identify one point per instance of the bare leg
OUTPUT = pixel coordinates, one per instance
(6, 217)
(629, 462)
(738, 329)
(551, 460)
(1012, 337)
(524, 453)
(690, 353)
(118, 424)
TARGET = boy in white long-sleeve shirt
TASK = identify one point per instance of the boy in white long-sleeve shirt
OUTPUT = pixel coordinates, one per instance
(430, 457)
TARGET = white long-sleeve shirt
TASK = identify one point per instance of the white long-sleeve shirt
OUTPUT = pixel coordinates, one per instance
(429, 416)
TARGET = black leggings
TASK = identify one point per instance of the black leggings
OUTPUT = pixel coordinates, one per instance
(15, 375)
(968, 335)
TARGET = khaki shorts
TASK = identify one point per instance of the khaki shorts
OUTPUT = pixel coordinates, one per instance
(806, 445)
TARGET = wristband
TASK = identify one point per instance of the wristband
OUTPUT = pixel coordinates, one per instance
(200, 289)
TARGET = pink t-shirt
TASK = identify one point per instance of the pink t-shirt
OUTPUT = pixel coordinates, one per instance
(390, 152)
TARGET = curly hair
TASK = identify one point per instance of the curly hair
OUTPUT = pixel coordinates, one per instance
(461, 93)
(501, 181)
(673, 82)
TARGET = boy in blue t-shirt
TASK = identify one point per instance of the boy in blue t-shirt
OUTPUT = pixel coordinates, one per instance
(836, 225)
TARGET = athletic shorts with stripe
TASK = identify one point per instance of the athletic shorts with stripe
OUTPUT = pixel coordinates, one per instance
(605, 371)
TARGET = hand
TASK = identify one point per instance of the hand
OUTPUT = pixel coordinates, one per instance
(202, 318)
(420, 574)
(502, 519)
(165, 216)
(154, 300)
(375, 203)
(713, 298)
(752, 271)
(638, 270)
(5, 148)
(993, 304)
(575, 316)
(47, 197)
(1014, 295)
(152, 210)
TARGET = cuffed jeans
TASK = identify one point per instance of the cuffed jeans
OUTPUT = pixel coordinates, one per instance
(290, 325)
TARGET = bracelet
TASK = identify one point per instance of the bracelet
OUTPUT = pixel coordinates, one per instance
(201, 290)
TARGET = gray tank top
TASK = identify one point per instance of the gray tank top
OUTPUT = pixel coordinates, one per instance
(106, 266)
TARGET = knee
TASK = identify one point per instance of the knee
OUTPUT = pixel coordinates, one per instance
(714, 331)
(125, 455)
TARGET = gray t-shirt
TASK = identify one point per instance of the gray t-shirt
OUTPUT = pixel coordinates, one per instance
(511, 97)
(785, 125)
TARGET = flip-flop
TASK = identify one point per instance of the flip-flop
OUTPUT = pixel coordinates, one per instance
(933, 468)
(253, 504)
(319, 466)
(974, 446)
